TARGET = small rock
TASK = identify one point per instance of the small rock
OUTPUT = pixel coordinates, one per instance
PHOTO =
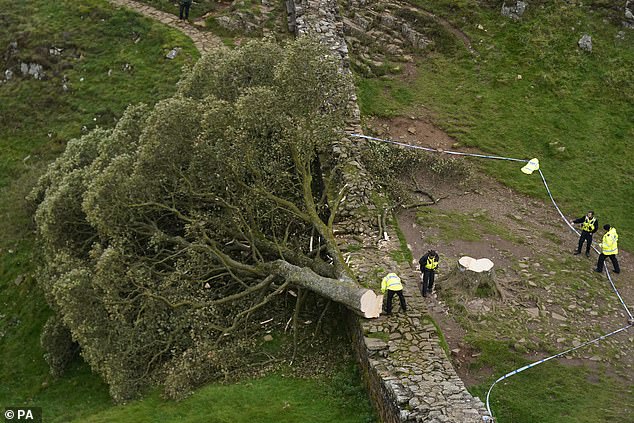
(533, 312)
(411, 130)
(557, 316)
(373, 344)
(585, 43)
(19, 279)
(514, 12)
(268, 338)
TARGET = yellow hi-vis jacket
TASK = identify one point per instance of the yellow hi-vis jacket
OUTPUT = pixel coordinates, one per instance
(588, 224)
(609, 243)
(431, 264)
(391, 282)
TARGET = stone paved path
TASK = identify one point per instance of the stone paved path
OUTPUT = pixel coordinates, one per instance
(406, 353)
(204, 41)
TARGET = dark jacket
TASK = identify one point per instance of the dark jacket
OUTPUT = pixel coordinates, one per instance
(423, 261)
(583, 218)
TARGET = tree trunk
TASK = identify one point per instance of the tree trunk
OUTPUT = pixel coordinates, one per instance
(477, 276)
(362, 301)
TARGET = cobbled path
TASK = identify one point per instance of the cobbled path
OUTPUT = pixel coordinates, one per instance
(204, 41)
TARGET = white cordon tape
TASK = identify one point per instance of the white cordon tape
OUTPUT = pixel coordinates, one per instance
(521, 369)
(484, 156)
(455, 153)
(607, 272)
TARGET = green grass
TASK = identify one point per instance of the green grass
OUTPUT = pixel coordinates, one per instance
(441, 335)
(549, 392)
(271, 399)
(197, 9)
(38, 118)
(379, 335)
(565, 98)
(105, 67)
(403, 254)
(459, 226)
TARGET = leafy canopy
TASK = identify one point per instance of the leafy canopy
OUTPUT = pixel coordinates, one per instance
(159, 236)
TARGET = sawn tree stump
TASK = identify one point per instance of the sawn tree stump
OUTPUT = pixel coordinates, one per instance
(476, 276)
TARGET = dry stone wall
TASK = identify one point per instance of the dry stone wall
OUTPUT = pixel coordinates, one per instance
(321, 19)
(409, 376)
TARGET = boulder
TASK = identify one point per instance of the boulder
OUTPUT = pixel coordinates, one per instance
(585, 43)
(629, 14)
(514, 11)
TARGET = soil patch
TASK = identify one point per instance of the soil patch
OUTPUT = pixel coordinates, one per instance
(552, 299)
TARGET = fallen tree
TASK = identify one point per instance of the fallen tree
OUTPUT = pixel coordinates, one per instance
(162, 236)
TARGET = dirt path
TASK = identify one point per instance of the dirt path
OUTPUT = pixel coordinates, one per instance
(552, 299)
(204, 41)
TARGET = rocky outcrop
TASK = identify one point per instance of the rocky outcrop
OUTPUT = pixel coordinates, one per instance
(382, 32)
(514, 11)
(629, 14)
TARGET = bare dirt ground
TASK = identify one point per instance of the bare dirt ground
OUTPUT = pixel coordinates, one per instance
(552, 300)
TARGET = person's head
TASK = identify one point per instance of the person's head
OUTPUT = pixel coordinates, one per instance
(433, 253)
(607, 227)
(590, 214)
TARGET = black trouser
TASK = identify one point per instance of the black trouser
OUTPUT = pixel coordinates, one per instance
(184, 8)
(428, 282)
(390, 296)
(613, 259)
(585, 236)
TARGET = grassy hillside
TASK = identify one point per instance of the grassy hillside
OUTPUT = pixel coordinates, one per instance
(97, 60)
(531, 92)
(107, 59)
(273, 399)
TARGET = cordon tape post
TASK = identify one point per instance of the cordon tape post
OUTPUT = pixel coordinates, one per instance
(530, 166)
